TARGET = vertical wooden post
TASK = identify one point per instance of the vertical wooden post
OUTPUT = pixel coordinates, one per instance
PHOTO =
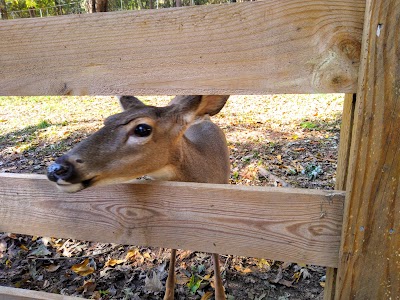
(369, 266)
(346, 130)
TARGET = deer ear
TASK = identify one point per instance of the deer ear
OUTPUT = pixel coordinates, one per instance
(128, 102)
(191, 107)
(211, 105)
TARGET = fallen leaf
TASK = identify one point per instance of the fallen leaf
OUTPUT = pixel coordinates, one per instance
(83, 269)
(285, 282)
(322, 284)
(207, 296)
(52, 268)
(23, 247)
(87, 288)
(96, 295)
(8, 263)
(184, 254)
(45, 240)
(104, 272)
(286, 265)
(242, 270)
(264, 264)
(279, 276)
(207, 277)
(114, 262)
(153, 284)
(40, 251)
(261, 297)
(304, 273)
(46, 284)
(132, 253)
(3, 248)
(182, 279)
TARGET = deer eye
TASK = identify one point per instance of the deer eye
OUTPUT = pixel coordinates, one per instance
(142, 130)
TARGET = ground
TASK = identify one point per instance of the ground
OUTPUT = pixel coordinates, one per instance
(274, 140)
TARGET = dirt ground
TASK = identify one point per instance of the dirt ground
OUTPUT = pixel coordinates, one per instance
(274, 140)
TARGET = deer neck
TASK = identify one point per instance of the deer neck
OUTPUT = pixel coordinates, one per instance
(180, 166)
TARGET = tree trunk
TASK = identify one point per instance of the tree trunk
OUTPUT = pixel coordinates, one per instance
(32, 12)
(101, 5)
(3, 10)
(58, 8)
(93, 6)
(178, 3)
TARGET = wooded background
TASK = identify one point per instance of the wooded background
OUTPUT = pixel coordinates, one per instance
(12, 9)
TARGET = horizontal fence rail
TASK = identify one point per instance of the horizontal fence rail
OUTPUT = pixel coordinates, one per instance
(9, 293)
(295, 225)
(263, 47)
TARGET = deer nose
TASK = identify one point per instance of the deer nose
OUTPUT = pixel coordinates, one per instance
(61, 169)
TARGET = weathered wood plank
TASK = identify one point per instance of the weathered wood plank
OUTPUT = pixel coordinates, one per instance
(346, 130)
(370, 259)
(263, 47)
(9, 293)
(284, 224)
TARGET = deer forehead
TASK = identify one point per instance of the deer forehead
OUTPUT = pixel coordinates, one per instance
(162, 129)
(128, 116)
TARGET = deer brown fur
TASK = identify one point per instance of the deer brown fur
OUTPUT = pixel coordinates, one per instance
(177, 142)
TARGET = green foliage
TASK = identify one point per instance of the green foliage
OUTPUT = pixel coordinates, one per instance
(104, 293)
(43, 124)
(19, 8)
(308, 125)
(194, 283)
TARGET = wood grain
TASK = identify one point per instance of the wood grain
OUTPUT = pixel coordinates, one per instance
(346, 130)
(370, 260)
(263, 47)
(9, 293)
(294, 225)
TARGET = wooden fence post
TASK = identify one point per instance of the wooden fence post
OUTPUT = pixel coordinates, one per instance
(341, 175)
(369, 266)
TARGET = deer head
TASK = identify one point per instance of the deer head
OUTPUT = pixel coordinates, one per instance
(140, 140)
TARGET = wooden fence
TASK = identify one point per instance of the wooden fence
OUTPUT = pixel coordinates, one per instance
(288, 46)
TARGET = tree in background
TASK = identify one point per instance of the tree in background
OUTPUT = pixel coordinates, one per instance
(32, 8)
(3, 10)
(93, 6)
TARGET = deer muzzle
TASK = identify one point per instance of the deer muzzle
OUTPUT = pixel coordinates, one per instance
(57, 171)
(64, 174)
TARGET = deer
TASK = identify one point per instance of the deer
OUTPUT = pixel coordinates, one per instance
(177, 142)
